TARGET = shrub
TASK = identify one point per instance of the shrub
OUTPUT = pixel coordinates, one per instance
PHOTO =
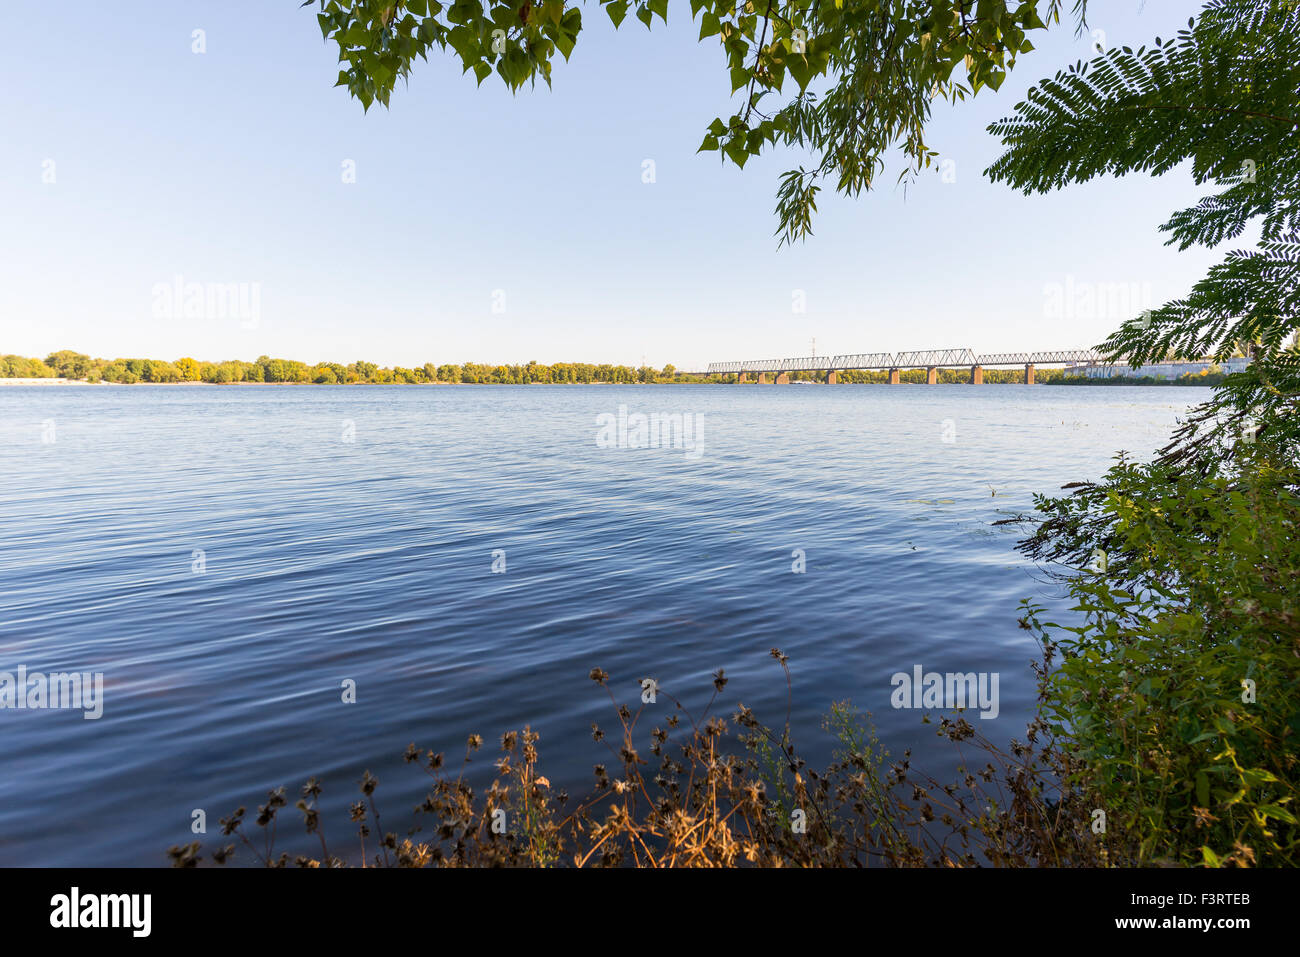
(1179, 694)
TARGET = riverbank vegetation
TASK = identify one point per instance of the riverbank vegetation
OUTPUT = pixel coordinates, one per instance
(1179, 693)
(76, 365)
(1169, 702)
(698, 790)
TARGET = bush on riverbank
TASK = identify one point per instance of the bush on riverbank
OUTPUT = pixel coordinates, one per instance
(1179, 695)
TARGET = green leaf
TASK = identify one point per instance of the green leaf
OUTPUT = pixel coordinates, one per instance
(380, 73)
(1277, 811)
(564, 43)
(800, 70)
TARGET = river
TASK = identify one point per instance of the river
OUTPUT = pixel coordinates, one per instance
(234, 559)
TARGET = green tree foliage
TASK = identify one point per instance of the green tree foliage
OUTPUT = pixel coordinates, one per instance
(131, 371)
(1182, 689)
(268, 369)
(69, 364)
(1223, 95)
(20, 367)
(844, 82)
(284, 370)
(190, 369)
(226, 372)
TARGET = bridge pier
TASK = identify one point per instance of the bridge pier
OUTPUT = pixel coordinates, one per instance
(762, 378)
(783, 379)
(931, 376)
(976, 375)
(893, 377)
(740, 379)
(832, 377)
(1029, 373)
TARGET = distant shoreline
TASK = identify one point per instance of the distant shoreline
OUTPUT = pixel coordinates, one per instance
(67, 367)
(1074, 381)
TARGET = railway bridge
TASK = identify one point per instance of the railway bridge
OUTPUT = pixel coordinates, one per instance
(931, 360)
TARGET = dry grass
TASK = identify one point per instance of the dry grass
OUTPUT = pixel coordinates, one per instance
(704, 792)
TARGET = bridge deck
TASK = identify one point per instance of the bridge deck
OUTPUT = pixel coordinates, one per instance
(922, 359)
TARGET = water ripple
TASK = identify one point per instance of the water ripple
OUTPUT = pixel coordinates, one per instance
(324, 559)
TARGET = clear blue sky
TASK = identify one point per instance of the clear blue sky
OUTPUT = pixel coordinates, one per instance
(226, 167)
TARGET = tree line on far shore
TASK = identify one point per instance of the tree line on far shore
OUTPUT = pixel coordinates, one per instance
(76, 365)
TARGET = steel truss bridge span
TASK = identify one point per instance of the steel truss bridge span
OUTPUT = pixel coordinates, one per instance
(920, 359)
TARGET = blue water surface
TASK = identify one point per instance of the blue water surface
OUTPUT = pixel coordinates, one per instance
(229, 556)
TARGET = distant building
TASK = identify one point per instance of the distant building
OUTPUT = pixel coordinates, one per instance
(1155, 370)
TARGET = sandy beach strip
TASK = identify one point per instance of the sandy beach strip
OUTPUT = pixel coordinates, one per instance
(50, 381)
